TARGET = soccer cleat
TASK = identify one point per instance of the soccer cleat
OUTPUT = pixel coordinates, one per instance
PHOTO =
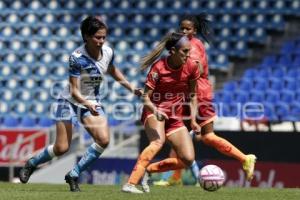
(249, 166)
(129, 188)
(174, 182)
(26, 172)
(73, 182)
(144, 183)
(161, 183)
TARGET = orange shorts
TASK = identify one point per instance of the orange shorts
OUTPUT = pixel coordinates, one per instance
(206, 112)
(173, 124)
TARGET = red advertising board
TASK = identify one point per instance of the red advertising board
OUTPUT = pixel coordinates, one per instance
(16, 146)
(266, 174)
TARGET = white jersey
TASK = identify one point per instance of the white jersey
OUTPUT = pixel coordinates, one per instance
(90, 73)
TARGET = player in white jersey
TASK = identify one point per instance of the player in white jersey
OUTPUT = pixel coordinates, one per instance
(88, 64)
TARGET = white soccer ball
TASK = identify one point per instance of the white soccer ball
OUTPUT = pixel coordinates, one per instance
(211, 177)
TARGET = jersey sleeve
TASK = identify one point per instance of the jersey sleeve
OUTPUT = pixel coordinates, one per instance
(74, 66)
(152, 77)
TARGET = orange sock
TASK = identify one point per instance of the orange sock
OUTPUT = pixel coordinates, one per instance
(177, 174)
(223, 146)
(143, 161)
(166, 165)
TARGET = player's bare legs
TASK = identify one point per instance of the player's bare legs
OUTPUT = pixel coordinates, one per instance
(61, 145)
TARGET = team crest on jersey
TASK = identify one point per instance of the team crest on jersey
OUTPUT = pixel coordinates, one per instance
(154, 76)
(77, 53)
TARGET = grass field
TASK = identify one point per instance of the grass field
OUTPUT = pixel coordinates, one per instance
(96, 192)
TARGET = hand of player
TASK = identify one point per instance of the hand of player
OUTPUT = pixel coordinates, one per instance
(92, 108)
(195, 127)
(160, 116)
(138, 91)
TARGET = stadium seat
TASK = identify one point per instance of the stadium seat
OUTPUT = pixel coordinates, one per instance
(287, 96)
(257, 95)
(230, 86)
(246, 84)
(276, 84)
(10, 121)
(28, 122)
(45, 122)
(272, 96)
(282, 109)
(261, 84)
(241, 97)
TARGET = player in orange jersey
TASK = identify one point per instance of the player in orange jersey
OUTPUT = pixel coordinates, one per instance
(190, 26)
(167, 84)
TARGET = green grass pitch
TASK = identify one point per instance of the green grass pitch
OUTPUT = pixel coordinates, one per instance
(99, 192)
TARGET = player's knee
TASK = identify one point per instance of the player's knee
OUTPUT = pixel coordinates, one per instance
(60, 149)
(103, 142)
(188, 160)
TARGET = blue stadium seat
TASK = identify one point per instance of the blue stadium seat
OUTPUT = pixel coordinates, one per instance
(295, 111)
(269, 112)
(28, 121)
(264, 73)
(282, 109)
(249, 73)
(269, 61)
(276, 84)
(10, 121)
(227, 97)
(246, 84)
(257, 95)
(284, 60)
(45, 122)
(272, 96)
(241, 97)
(279, 72)
(291, 84)
(287, 96)
(230, 86)
(261, 84)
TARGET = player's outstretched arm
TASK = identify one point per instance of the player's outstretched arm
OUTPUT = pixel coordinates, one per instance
(118, 76)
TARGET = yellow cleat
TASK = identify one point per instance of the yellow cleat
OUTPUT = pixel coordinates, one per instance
(174, 182)
(161, 183)
(249, 166)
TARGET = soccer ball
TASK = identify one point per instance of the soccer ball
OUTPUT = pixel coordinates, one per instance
(211, 177)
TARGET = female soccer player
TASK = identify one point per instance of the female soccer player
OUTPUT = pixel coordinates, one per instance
(167, 83)
(87, 66)
(190, 25)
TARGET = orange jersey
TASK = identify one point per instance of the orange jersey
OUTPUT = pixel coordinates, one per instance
(170, 85)
(198, 54)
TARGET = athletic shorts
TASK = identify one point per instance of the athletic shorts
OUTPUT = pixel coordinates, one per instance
(171, 125)
(66, 111)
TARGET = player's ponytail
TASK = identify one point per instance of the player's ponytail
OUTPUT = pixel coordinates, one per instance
(167, 42)
(204, 27)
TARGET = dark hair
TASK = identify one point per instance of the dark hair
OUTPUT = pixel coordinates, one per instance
(90, 25)
(169, 41)
(202, 24)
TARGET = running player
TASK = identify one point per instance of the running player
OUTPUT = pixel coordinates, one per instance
(87, 66)
(190, 25)
(167, 83)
